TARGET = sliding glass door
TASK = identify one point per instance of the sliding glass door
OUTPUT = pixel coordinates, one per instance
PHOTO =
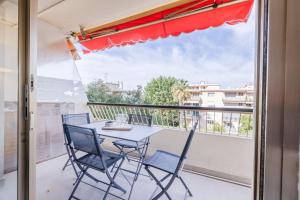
(8, 99)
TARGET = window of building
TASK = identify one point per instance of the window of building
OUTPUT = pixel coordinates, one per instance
(230, 94)
(210, 121)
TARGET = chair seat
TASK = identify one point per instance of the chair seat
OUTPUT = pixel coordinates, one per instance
(94, 161)
(126, 144)
(164, 161)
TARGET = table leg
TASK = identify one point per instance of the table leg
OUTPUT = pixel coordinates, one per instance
(142, 158)
(140, 164)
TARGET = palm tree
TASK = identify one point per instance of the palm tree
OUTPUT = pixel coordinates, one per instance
(179, 91)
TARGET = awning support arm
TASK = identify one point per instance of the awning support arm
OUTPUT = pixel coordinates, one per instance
(196, 11)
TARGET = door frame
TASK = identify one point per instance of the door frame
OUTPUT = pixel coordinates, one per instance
(278, 102)
(27, 50)
(277, 145)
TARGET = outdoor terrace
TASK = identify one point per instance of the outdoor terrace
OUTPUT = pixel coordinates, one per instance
(53, 183)
(223, 146)
(219, 164)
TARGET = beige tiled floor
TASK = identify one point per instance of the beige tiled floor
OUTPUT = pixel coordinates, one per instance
(55, 184)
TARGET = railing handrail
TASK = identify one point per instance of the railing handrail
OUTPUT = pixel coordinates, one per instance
(203, 108)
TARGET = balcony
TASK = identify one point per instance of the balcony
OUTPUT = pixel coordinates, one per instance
(219, 164)
(53, 183)
(239, 99)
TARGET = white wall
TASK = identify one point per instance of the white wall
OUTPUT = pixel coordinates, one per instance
(224, 156)
(221, 156)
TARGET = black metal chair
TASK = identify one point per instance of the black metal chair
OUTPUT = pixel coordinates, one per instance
(131, 145)
(171, 164)
(134, 119)
(74, 119)
(87, 140)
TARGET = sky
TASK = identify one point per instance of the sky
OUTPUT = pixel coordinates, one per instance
(223, 55)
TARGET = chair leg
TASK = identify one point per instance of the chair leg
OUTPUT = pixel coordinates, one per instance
(164, 191)
(69, 158)
(142, 155)
(87, 174)
(114, 176)
(161, 180)
(121, 152)
(186, 187)
(112, 181)
(77, 183)
(164, 178)
(66, 164)
(74, 168)
(139, 167)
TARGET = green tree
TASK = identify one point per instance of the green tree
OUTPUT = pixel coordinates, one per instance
(134, 96)
(179, 91)
(97, 91)
(159, 91)
(246, 124)
(218, 128)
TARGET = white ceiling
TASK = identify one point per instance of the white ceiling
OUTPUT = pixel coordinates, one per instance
(68, 15)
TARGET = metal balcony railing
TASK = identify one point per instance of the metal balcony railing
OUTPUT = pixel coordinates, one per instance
(238, 99)
(213, 120)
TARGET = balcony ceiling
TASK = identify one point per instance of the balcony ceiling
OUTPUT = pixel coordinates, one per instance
(68, 15)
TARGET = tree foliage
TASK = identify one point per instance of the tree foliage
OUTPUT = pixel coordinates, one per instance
(246, 124)
(98, 91)
(159, 91)
(218, 128)
(165, 91)
(134, 96)
(179, 91)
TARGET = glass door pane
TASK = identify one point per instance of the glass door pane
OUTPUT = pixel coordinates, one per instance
(8, 98)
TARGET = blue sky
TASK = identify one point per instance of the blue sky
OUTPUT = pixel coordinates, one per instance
(223, 55)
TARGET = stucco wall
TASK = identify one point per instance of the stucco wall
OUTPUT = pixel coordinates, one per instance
(225, 157)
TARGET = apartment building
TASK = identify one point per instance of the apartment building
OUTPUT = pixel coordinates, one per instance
(213, 95)
(114, 87)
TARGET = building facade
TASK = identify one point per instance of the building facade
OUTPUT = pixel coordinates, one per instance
(212, 95)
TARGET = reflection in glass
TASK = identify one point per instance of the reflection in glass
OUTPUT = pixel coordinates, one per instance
(8, 98)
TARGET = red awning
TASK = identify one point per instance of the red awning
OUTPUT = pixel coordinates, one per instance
(196, 15)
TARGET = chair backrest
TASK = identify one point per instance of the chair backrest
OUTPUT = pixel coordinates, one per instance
(82, 139)
(140, 119)
(182, 157)
(187, 146)
(76, 119)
